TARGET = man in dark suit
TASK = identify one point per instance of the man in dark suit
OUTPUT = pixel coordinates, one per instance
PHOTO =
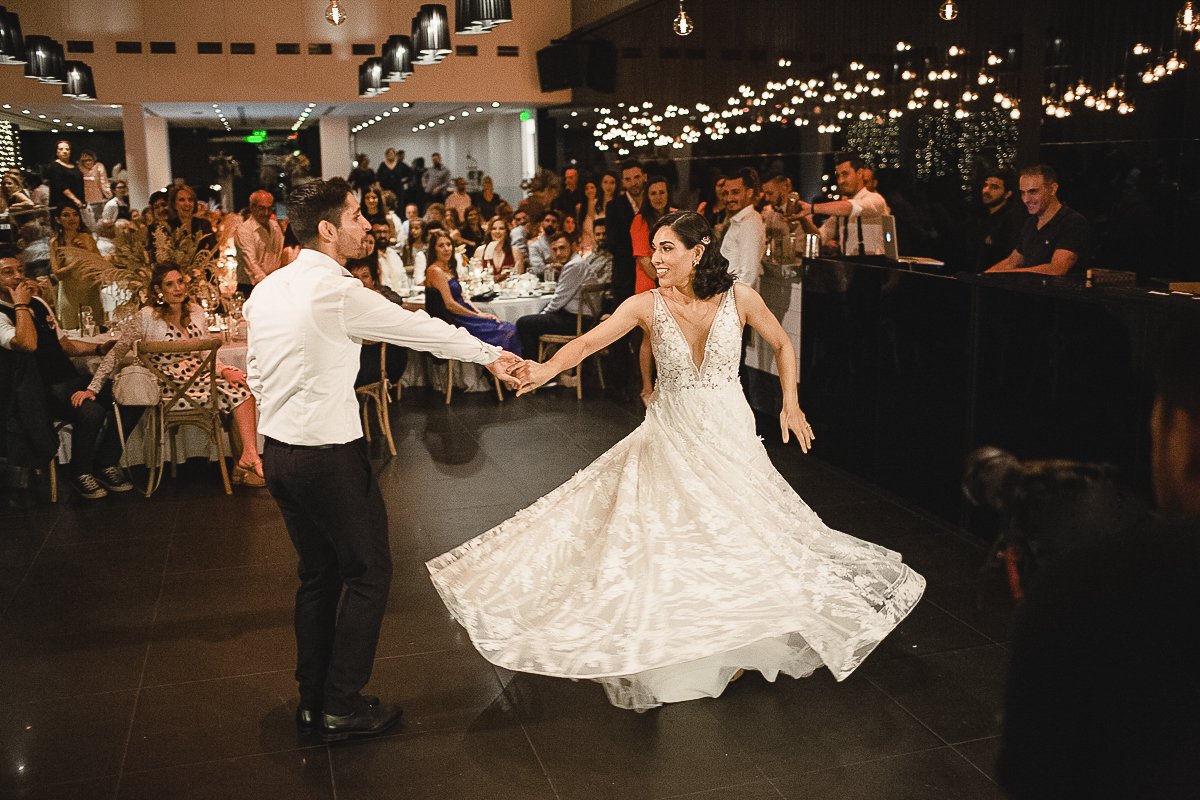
(1103, 700)
(619, 216)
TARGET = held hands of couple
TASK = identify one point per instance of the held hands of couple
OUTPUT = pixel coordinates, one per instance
(505, 368)
(792, 420)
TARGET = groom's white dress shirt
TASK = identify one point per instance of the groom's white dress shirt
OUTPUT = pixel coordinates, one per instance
(306, 325)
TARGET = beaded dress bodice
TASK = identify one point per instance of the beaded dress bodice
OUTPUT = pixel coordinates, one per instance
(722, 349)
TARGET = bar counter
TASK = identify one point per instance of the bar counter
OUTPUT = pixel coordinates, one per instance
(903, 372)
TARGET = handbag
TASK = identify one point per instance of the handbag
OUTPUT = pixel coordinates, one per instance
(136, 385)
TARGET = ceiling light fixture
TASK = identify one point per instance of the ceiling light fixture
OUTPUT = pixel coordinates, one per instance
(683, 25)
(334, 13)
(948, 10)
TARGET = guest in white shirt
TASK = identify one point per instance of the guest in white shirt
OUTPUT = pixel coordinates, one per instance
(118, 206)
(540, 256)
(459, 200)
(411, 212)
(392, 273)
(746, 237)
(839, 233)
(259, 242)
(306, 324)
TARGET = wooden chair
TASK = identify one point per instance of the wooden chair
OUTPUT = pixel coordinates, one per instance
(178, 410)
(378, 394)
(591, 303)
(435, 307)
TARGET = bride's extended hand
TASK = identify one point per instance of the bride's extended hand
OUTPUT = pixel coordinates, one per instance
(793, 420)
(535, 375)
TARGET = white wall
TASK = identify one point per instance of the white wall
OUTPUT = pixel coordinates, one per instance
(493, 140)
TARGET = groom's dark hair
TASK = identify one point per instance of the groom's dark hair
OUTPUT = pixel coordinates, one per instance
(312, 202)
(712, 271)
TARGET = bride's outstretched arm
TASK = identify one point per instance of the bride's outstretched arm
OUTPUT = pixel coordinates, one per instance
(760, 318)
(628, 315)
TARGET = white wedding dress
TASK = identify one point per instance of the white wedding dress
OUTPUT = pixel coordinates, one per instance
(678, 557)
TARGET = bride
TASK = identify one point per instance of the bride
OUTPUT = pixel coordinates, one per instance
(680, 557)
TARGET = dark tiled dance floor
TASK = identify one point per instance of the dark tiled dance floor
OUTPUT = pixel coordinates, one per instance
(146, 650)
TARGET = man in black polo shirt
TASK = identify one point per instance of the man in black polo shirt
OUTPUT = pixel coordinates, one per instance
(1056, 240)
(28, 326)
(1004, 217)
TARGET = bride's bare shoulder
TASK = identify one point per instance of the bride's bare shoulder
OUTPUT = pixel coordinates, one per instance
(640, 305)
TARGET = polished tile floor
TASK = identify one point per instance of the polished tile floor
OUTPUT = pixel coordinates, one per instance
(146, 650)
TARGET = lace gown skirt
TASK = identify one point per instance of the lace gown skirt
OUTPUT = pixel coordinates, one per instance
(675, 559)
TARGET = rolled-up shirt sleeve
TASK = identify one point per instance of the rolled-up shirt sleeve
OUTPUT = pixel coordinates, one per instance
(8, 332)
(868, 205)
(368, 315)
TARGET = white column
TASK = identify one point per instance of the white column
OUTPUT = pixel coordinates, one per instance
(147, 154)
(335, 147)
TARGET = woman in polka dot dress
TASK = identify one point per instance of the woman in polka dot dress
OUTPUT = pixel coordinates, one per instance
(172, 316)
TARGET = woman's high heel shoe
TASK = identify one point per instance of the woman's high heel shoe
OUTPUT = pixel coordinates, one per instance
(248, 474)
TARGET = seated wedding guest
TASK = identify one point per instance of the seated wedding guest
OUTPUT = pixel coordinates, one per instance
(505, 212)
(181, 205)
(35, 239)
(599, 261)
(27, 325)
(118, 205)
(172, 317)
(63, 178)
(443, 289)
(486, 199)
(259, 242)
(498, 254)
(414, 252)
(105, 233)
(15, 195)
(1003, 216)
(435, 216)
(372, 207)
(470, 233)
(539, 248)
(1056, 239)
(411, 212)
(389, 268)
(570, 226)
(1102, 700)
(560, 314)
(394, 222)
(839, 234)
(521, 233)
(96, 190)
(459, 200)
(74, 290)
(366, 270)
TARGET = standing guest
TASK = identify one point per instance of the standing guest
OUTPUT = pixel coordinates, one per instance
(620, 214)
(96, 191)
(118, 205)
(259, 241)
(443, 288)
(63, 178)
(714, 210)
(181, 201)
(15, 195)
(459, 200)
(499, 255)
(306, 323)
(1102, 701)
(415, 192)
(540, 256)
(486, 199)
(74, 290)
(657, 205)
(571, 198)
(745, 240)
(470, 233)
(436, 180)
(608, 190)
(372, 207)
(561, 313)
(173, 317)
(27, 325)
(413, 253)
(838, 233)
(599, 261)
(362, 177)
(393, 174)
(1056, 239)
(1003, 218)
(591, 211)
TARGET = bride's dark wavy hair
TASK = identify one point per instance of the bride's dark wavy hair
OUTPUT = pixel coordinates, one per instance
(712, 272)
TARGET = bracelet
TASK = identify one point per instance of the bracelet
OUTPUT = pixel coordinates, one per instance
(25, 306)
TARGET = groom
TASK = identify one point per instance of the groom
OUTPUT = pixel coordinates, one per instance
(306, 325)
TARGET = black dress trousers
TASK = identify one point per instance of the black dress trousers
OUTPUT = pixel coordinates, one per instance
(336, 518)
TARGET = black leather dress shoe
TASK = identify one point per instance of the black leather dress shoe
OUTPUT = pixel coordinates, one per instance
(308, 720)
(371, 721)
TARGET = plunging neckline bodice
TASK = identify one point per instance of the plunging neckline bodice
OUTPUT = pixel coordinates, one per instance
(707, 334)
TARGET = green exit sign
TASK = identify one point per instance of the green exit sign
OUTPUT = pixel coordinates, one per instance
(526, 115)
(257, 137)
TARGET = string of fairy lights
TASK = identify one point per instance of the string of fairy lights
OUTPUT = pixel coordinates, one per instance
(957, 84)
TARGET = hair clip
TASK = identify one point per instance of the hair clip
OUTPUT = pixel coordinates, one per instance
(706, 240)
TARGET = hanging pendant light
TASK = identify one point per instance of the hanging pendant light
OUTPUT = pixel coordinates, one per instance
(682, 25)
(37, 56)
(12, 43)
(56, 68)
(431, 34)
(334, 13)
(397, 58)
(490, 13)
(1188, 18)
(467, 20)
(80, 84)
(370, 78)
(948, 10)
